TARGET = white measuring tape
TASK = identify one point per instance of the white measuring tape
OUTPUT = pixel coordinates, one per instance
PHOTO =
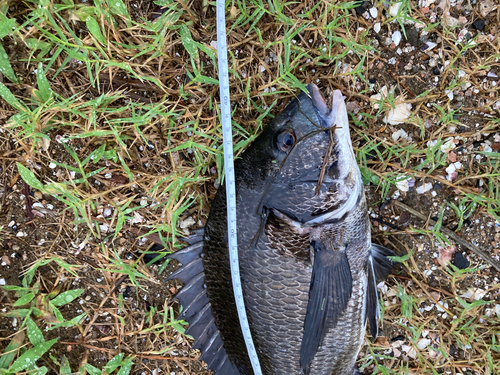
(227, 135)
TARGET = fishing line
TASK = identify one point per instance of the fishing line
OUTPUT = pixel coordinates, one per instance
(227, 141)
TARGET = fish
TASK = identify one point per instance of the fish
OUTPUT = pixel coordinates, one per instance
(309, 270)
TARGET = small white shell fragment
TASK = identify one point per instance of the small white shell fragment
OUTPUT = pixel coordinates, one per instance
(377, 97)
(187, 223)
(422, 343)
(448, 145)
(430, 45)
(423, 188)
(399, 134)
(399, 114)
(2, 281)
(374, 12)
(394, 9)
(391, 293)
(425, 3)
(376, 27)
(382, 287)
(440, 309)
(412, 353)
(486, 147)
(396, 37)
(403, 185)
(451, 168)
(434, 353)
(474, 293)
(52, 165)
(138, 218)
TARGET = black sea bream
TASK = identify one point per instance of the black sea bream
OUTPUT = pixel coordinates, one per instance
(309, 270)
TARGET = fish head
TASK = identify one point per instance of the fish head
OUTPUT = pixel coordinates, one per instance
(290, 155)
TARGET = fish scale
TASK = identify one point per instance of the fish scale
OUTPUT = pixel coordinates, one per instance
(307, 263)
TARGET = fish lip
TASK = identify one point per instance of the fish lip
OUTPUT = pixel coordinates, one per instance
(327, 113)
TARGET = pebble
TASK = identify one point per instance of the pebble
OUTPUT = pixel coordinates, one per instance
(451, 22)
(362, 8)
(478, 25)
(412, 35)
(486, 6)
(460, 261)
(5, 260)
(107, 212)
(352, 107)
(404, 217)
(424, 200)
(428, 46)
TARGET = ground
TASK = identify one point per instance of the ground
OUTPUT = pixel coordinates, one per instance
(111, 146)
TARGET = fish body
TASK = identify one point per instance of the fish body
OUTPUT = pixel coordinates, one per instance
(308, 267)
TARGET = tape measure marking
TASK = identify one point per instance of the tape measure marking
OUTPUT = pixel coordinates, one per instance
(227, 135)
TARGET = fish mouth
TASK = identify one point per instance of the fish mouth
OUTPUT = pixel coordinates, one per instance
(331, 115)
(334, 117)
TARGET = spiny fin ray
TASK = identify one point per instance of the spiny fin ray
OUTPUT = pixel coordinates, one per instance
(197, 310)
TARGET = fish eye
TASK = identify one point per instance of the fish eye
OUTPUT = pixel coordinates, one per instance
(285, 140)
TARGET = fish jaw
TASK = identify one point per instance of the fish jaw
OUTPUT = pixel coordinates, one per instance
(336, 116)
(347, 176)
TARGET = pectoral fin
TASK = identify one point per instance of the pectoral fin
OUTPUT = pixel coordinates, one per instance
(379, 267)
(382, 265)
(330, 290)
